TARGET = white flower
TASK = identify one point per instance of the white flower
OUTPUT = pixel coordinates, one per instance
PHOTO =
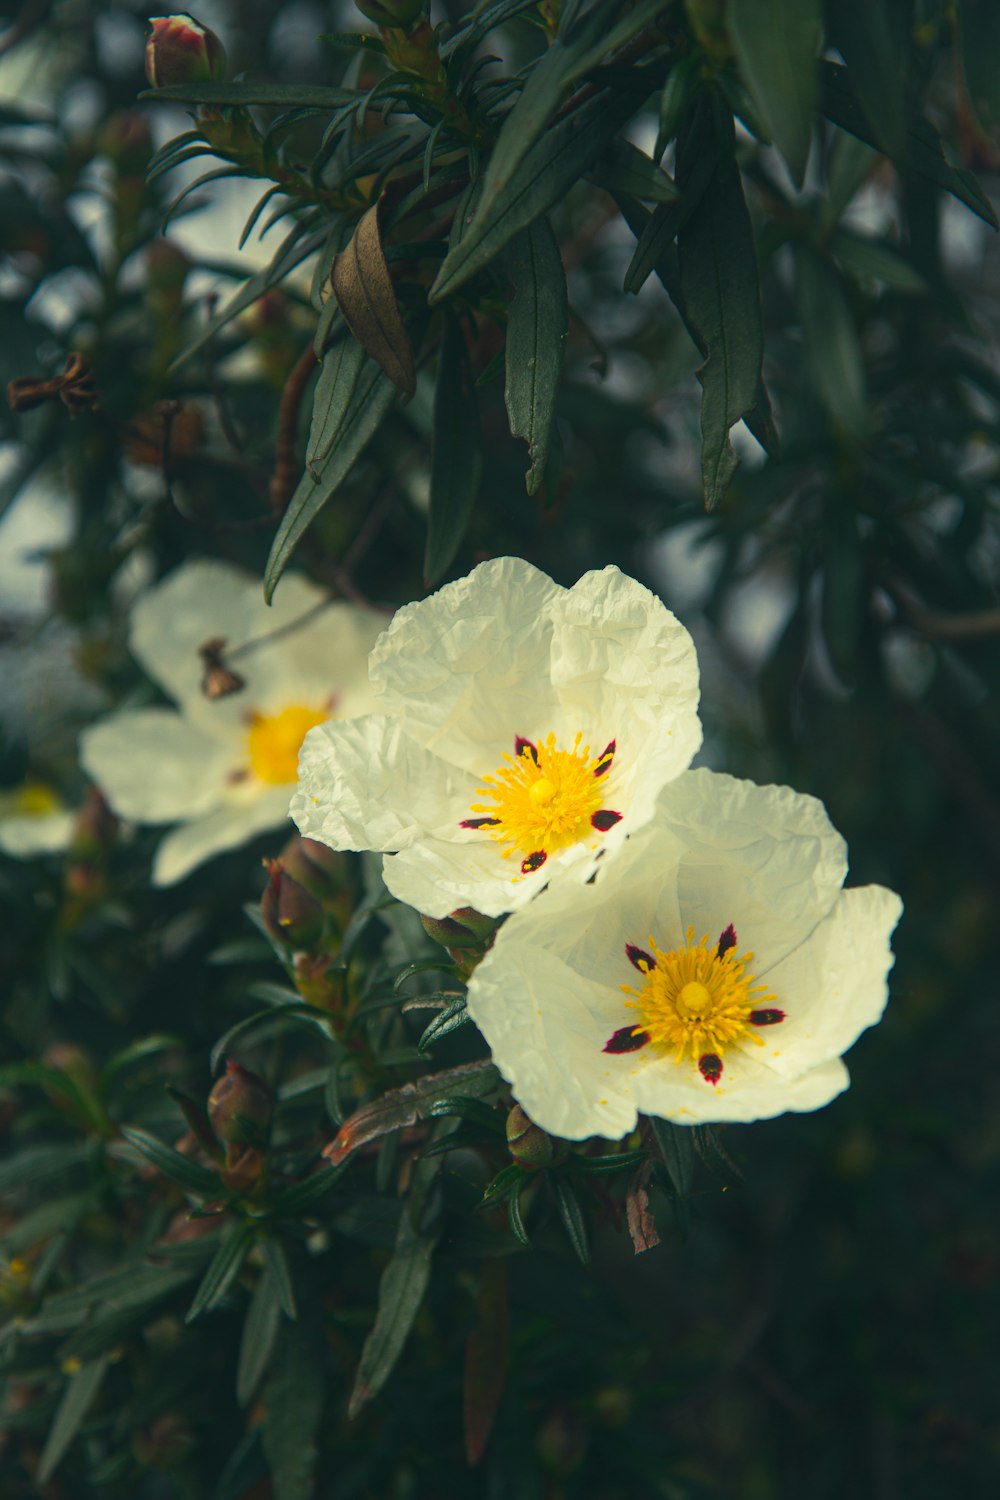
(33, 821)
(524, 729)
(716, 972)
(224, 768)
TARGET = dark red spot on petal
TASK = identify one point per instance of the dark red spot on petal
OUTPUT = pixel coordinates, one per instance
(627, 1039)
(605, 819)
(710, 1067)
(479, 822)
(521, 745)
(639, 958)
(607, 756)
(766, 1017)
(727, 940)
(533, 861)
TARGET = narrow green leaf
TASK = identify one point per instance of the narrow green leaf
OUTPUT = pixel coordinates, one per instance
(720, 303)
(697, 156)
(293, 1201)
(597, 1166)
(293, 1010)
(473, 1110)
(872, 260)
(623, 168)
(924, 154)
(45, 1220)
(832, 348)
(514, 1217)
(544, 176)
(222, 1271)
(341, 370)
(571, 1214)
(874, 42)
(400, 1294)
(456, 456)
(676, 99)
(450, 1019)
(293, 1407)
(77, 1400)
(676, 1143)
(777, 45)
(370, 400)
(188, 1174)
(979, 32)
(38, 1163)
(536, 329)
(276, 1260)
(137, 1052)
(509, 1179)
(485, 1360)
(260, 1332)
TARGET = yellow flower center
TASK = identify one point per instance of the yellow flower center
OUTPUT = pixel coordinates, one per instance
(699, 998)
(543, 799)
(274, 741)
(34, 798)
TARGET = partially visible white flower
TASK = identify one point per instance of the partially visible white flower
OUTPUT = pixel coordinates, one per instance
(716, 972)
(33, 820)
(223, 768)
(524, 730)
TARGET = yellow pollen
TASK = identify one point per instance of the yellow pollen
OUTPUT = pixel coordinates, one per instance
(34, 798)
(547, 805)
(693, 1001)
(274, 741)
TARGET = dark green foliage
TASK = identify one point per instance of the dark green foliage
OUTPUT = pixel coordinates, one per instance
(781, 188)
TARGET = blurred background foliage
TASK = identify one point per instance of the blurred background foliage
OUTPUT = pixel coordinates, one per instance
(553, 221)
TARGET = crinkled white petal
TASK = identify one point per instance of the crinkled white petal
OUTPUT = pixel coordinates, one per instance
(229, 826)
(154, 766)
(366, 784)
(548, 996)
(505, 651)
(835, 984)
(25, 834)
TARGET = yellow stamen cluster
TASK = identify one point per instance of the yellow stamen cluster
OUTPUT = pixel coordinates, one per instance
(274, 741)
(547, 805)
(694, 1001)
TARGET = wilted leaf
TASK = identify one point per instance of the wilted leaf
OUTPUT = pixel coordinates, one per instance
(456, 456)
(637, 1211)
(536, 328)
(485, 1359)
(406, 1105)
(777, 45)
(363, 287)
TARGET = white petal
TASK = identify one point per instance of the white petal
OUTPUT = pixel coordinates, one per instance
(746, 1090)
(765, 858)
(226, 828)
(154, 767)
(835, 984)
(366, 784)
(201, 599)
(324, 661)
(25, 834)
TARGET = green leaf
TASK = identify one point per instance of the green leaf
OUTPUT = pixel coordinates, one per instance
(597, 1166)
(676, 1143)
(832, 348)
(872, 260)
(677, 96)
(979, 33)
(720, 303)
(400, 1294)
(873, 41)
(777, 45)
(924, 154)
(473, 1110)
(456, 456)
(293, 1407)
(485, 1360)
(514, 1218)
(223, 1270)
(188, 1174)
(536, 329)
(571, 1214)
(371, 396)
(77, 1400)
(45, 1220)
(277, 95)
(697, 156)
(37, 1163)
(293, 1010)
(137, 1052)
(404, 1106)
(450, 1019)
(544, 177)
(623, 168)
(293, 1202)
(276, 1260)
(260, 1333)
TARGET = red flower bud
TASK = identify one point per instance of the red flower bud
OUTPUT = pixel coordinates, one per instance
(465, 928)
(240, 1107)
(291, 915)
(180, 49)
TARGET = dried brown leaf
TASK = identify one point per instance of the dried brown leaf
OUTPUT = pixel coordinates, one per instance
(363, 288)
(405, 1106)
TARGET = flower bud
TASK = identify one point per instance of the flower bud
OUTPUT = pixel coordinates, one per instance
(95, 829)
(465, 928)
(127, 141)
(240, 1107)
(528, 1145)
(325, 873)
(395, 13)
(180, 49)
(291, 915)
